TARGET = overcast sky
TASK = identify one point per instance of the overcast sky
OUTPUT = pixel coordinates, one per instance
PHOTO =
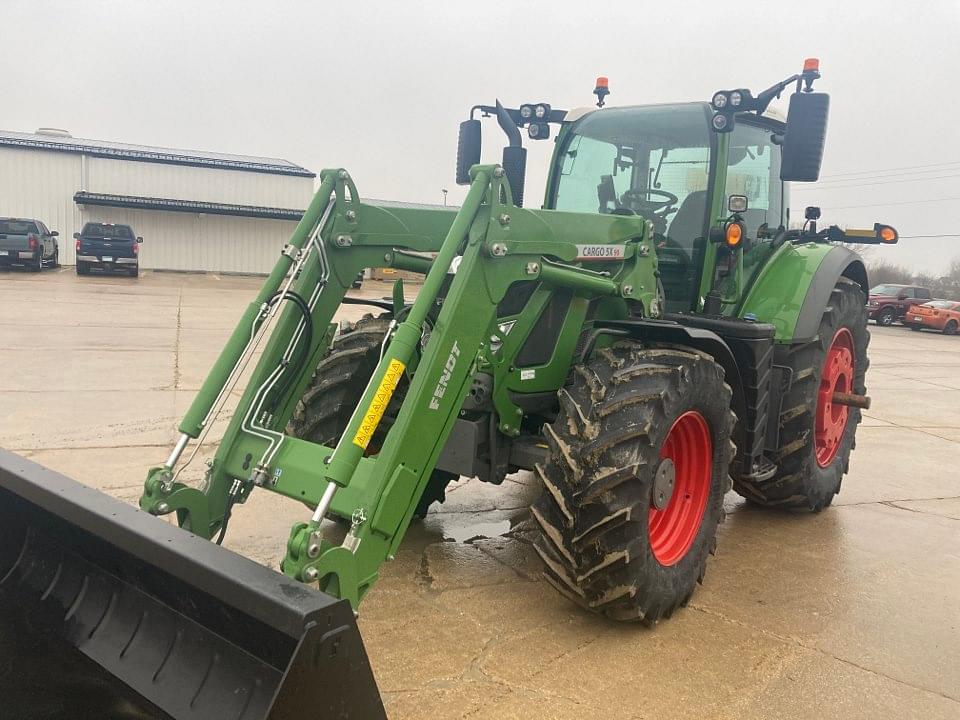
(380, 87)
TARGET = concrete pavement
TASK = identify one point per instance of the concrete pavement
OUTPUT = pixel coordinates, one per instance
(852, 613)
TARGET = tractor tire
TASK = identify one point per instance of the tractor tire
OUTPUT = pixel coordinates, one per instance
(950, 328)
(616, 537)
(816, 436)
(338, 383)
(887, 317)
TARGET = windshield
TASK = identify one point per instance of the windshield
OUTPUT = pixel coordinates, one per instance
(886, 289)
(652, 161)
(105, 230)
(648, 160)
(18, 227)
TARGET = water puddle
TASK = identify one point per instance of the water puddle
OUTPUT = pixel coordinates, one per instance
(465, 532)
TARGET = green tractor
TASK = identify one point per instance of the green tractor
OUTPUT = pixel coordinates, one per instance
(656, 334)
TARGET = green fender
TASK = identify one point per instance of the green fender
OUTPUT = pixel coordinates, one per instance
(794, 287)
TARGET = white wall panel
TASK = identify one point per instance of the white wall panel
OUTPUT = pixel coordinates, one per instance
(40, 184)
(182, 182)
(188, 241)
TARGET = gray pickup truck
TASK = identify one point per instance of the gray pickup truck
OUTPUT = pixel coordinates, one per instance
(107, 246)
(28, 242)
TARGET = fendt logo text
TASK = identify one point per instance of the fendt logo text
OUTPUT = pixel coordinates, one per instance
(445, 377)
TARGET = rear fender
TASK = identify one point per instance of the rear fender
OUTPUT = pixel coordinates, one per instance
(795, 285)
(672, 333)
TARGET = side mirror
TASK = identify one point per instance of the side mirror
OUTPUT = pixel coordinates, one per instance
(139, 239)
(76, 236)
(468, 150)
(54, 233)
(805, 137)
(901, 296)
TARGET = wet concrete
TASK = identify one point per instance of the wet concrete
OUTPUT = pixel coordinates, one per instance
(852, 613)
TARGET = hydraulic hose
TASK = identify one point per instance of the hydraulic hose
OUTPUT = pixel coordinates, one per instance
(303, 351)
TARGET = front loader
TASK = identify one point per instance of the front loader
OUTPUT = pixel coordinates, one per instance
(656, 334)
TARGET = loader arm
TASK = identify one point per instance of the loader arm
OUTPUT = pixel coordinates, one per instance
(486, 246)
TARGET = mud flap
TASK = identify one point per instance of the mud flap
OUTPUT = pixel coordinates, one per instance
(107, 612)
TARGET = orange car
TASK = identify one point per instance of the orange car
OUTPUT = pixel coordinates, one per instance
(942, 315)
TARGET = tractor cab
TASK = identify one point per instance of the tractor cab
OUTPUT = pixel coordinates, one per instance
(661, 162)
(694, 170)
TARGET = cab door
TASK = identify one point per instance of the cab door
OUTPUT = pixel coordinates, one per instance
(753, 170)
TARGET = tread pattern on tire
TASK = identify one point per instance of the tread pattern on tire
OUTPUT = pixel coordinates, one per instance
(800, 482)
(338, 384)
(605, 444)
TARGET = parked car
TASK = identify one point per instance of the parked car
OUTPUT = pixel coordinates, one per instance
(28, 242)
(107, 246)
(942, 315)
(889, 303)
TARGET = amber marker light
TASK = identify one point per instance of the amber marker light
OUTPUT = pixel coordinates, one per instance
(734, 234)
(887, 234)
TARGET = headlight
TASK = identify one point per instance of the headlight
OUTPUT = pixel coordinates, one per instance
(719, 101)
(538, 131)
(874, 303)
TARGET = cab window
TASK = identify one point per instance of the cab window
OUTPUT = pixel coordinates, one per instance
(753, 169)
(650, 161)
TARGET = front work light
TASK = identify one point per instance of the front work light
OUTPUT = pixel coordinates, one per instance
(720, 122)
(526, 111)
(719, 101)
(736, 97)
(737, 203)
(538, 131)
(541, 111)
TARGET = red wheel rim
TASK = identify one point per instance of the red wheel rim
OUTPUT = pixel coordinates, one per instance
(673, 529)
(837, 376)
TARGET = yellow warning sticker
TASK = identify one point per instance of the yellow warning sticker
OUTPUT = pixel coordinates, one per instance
(381, 398)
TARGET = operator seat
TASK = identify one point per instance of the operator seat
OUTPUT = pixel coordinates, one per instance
(687, 224)
(676, 253)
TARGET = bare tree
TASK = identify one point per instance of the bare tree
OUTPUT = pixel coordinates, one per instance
(886, 272)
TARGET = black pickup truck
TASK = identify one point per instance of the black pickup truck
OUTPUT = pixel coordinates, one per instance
(27, 242)
(107, 246)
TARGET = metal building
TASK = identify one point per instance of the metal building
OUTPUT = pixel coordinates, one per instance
(195, 210)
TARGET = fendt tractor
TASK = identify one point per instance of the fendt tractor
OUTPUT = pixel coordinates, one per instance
(660, 332)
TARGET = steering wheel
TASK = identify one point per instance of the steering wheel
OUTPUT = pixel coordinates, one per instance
(643, 198)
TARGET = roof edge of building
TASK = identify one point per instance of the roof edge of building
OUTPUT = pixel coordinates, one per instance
(156, 155)
(136, 202)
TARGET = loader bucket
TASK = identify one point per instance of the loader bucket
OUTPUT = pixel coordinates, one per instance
(107, 612)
